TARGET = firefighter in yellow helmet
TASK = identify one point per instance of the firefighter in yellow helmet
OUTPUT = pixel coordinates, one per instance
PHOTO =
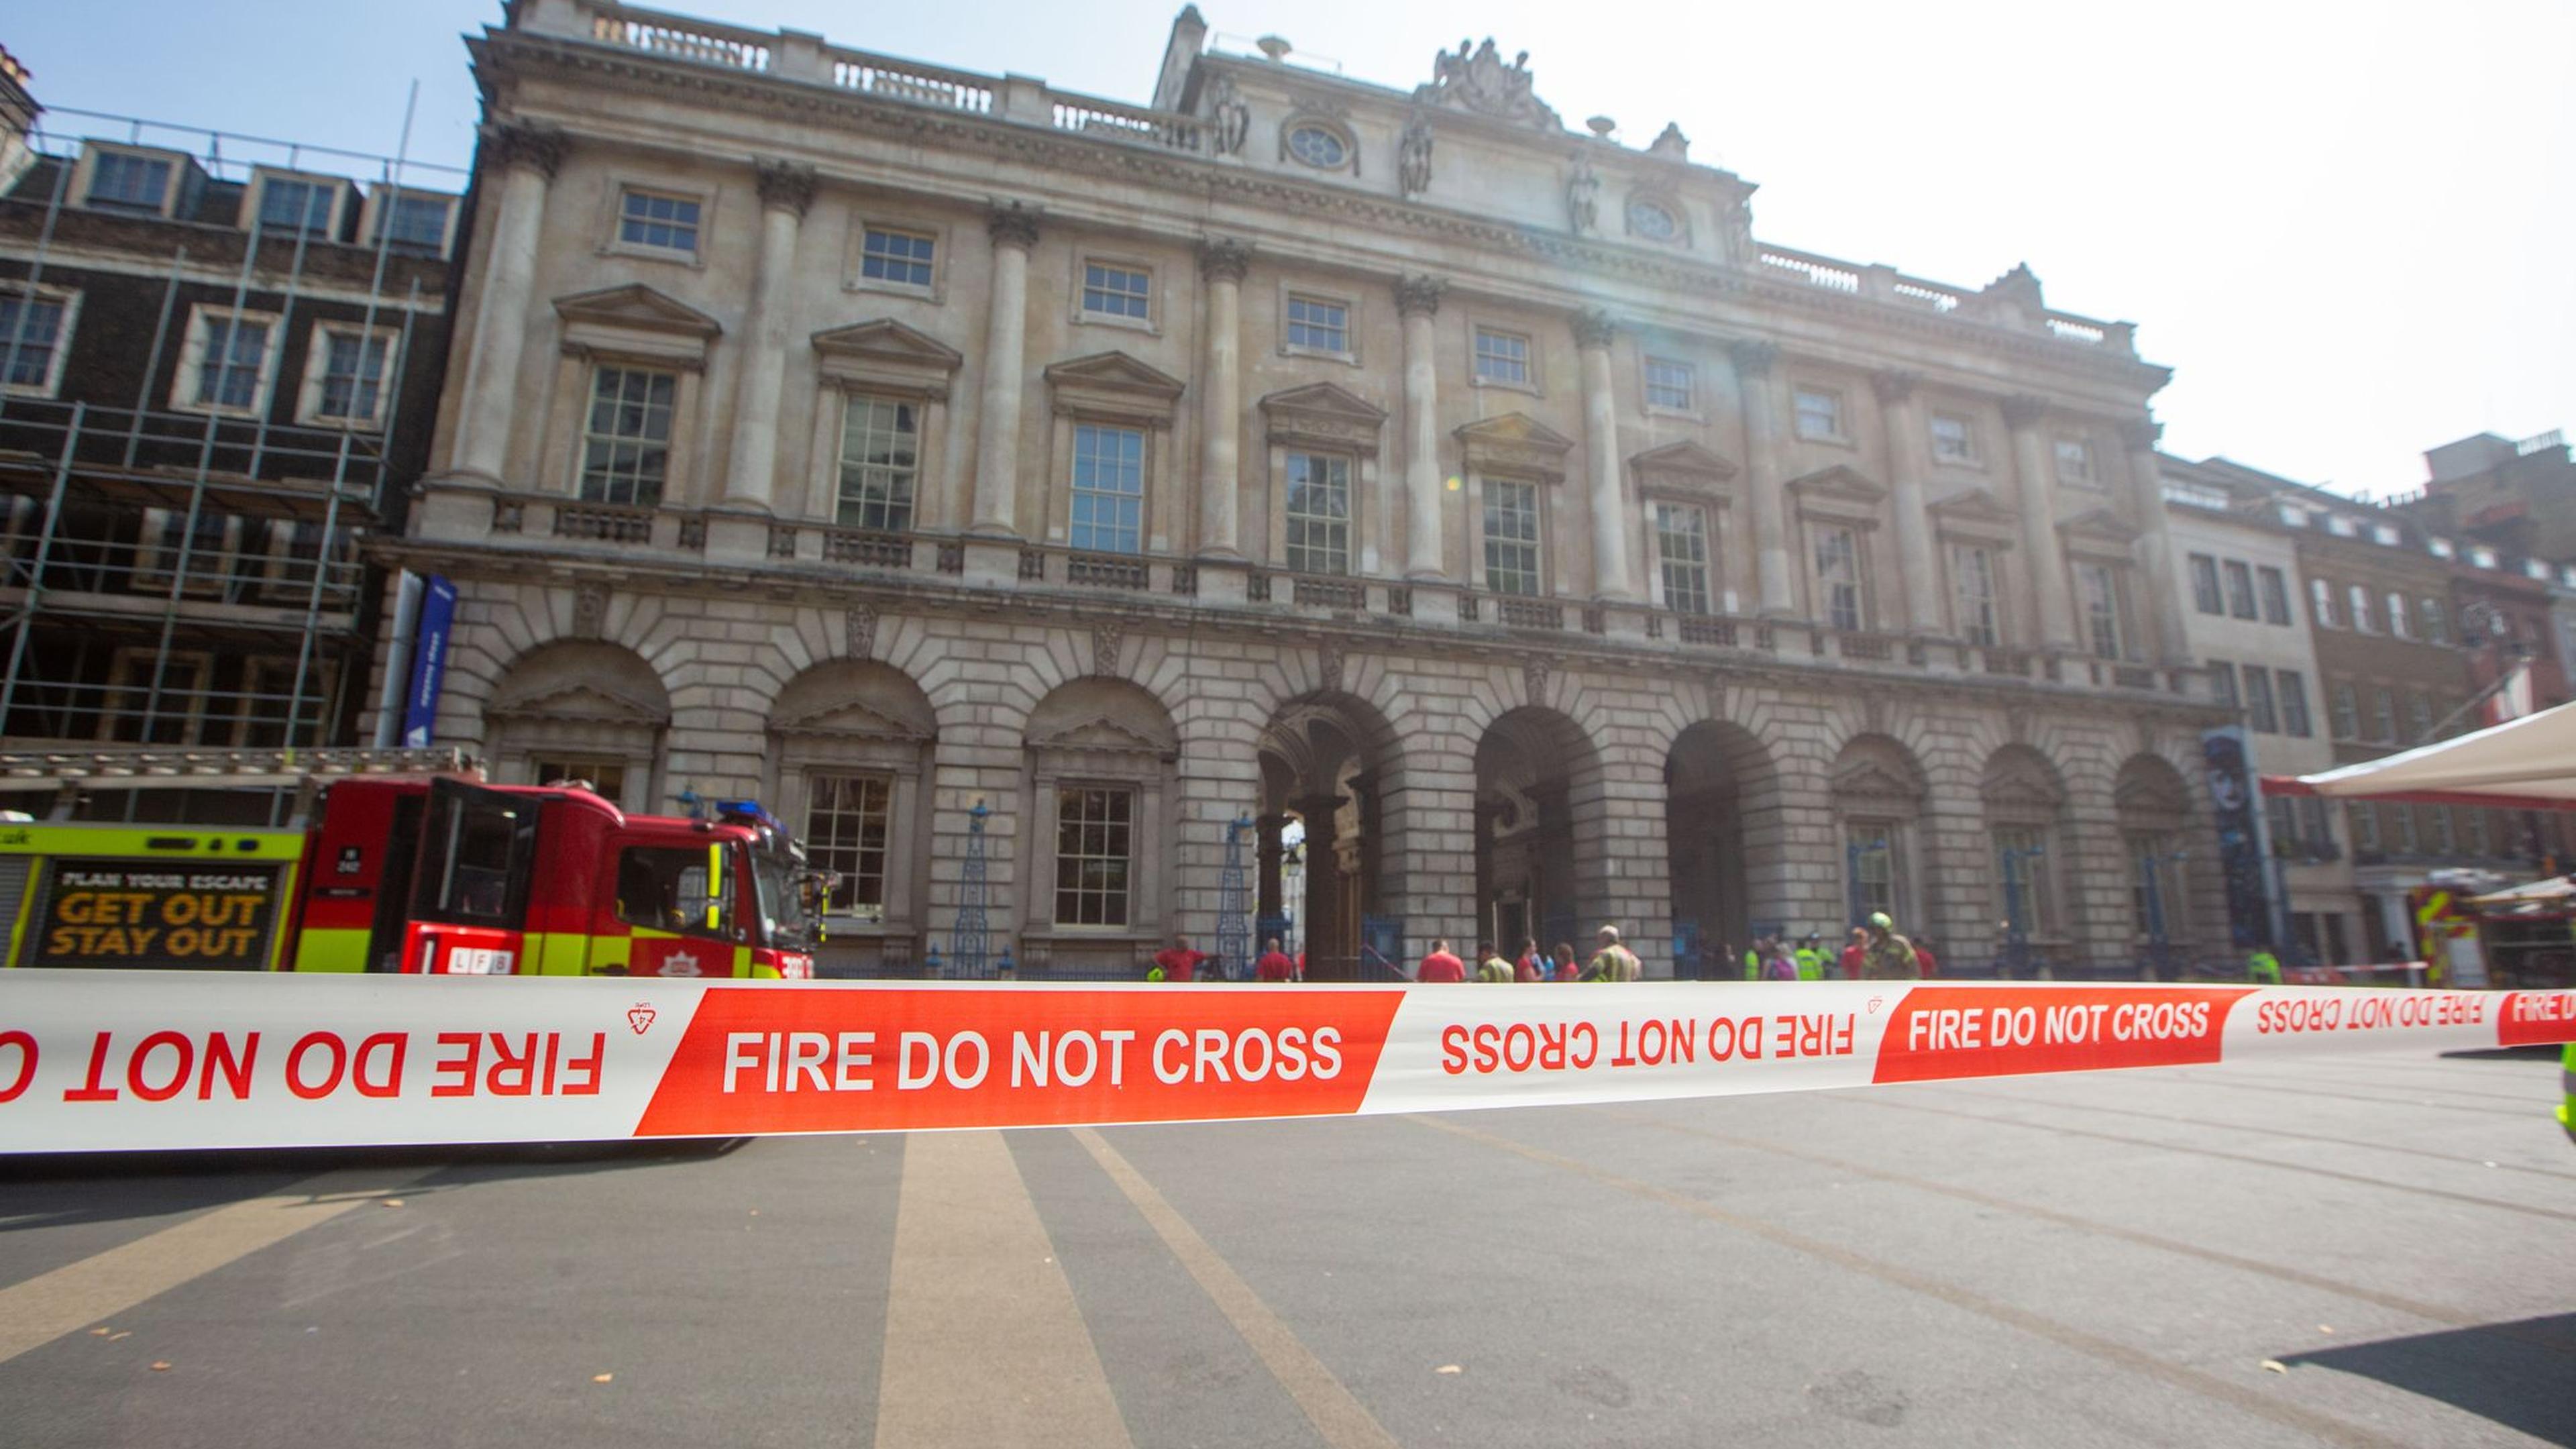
(2567, 1085)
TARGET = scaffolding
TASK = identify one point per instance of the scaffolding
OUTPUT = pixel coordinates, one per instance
(172, 576)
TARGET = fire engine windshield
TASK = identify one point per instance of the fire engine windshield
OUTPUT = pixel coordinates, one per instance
(786, 917)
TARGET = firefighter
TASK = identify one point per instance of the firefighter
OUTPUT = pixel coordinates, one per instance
(2567, 1085)
(2263, 968)
(1810, 957)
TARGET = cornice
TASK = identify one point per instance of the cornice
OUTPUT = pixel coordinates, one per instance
(1068, 152)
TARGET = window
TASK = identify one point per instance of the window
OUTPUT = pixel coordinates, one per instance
(2481, 837)
(289, 205)
(626, 444)
(2314, 830)
(664, 223)
(412, 222)
(880, 463)
(2204, 585)
(2437, 820)
(1502, 357)
(349, 370)
(2258, 701)
(1681, 542)
(1838, 576)
(31, 340)
(2293, 515)
(1652, 221)
(1316, 325)
(2482, 556)
(2021, 879)
(230, 362)
(1870, 854)
(129, 183)
(2240, 590)
(606, 778)
(897, 258)
(847, 820)
(2074, 461)
(1321, 147)
(2321, 603)
(2435, 619)
(1108, 488)
(1319, 513)
(1094, 838)
(1670, 385)
(2222, 682)
(2282, 819)
(271, 713)
(155, 698)
(1109, 291)
(2155, 889)
(2101, 590)
(1972, 573)
(2419, 717)
(2340, 526)
(2357, 599)
(1511, 537)
(2347, 713)
(2383, 714)
(1954, 439)
(2441, 547)
(666, 888)
(2361, 822)
(2384, 534)
(2276, 594)
(2402, 830)
(2294, 705)
(1820, 414)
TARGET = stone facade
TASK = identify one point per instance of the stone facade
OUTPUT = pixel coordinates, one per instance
(887, 439)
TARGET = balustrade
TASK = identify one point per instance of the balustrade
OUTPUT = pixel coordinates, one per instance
(605, 522)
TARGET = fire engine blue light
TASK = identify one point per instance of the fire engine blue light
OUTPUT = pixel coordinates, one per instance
(748, 811)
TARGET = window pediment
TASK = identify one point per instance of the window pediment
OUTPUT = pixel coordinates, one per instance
(1103, 735)
(638, 322)
(1324, 415)
(1515, 443)
(1976, 514)
(847, 720)
(1838, 492)
(1685, 465)
(1115, 386)
(887, 354)
(2099, 533)
(582, 702)
(1866, 779)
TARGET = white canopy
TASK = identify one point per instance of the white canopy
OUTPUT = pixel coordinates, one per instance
(2522, 764)
(2539, 892)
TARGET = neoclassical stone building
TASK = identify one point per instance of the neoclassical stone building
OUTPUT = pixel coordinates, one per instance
(887, 440)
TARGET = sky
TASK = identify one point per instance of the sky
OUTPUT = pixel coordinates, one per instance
(2346, 227)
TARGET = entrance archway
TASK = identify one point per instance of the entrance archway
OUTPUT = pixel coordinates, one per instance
(1326, 762)
(1715, 776)
(1538, 822)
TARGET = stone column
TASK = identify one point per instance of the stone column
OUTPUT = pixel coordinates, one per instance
(997, 432)
(786, 190)
(2027, 417)
(526, 158)
(1266, 854)
(1915, 557)
(2155, 540)
(1610, 523)
(1417, 301)
(1763, 484)
(1222, 265)
(1323, 879)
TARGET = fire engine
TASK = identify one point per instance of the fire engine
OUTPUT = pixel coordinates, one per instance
(403, 861)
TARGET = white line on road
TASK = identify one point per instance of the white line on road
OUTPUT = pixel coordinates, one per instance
(1344, 1422)
(45, 1307)
(984, 1345)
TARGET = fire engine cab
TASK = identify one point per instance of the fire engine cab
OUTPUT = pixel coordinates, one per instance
(421, 871)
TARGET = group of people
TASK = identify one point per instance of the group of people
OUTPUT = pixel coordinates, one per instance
(1876, 951)
(1611, 961)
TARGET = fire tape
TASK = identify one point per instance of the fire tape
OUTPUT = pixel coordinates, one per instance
(108, 1061)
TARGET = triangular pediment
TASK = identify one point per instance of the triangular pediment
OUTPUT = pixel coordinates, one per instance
(639, 307)
(1846, 484)
(2100, 525)
(2022, 791)
(1976, 505)
(1868, 778)
(2146, 793)
(1515, 430)
(1115, 372)
(583, 702)
(1685, 457)
(1101, 733)
(847, 719)
(1325, 400)
(886, 340)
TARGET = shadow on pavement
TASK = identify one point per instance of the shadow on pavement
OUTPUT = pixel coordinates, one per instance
(2516, 1374)
(2504, 1054)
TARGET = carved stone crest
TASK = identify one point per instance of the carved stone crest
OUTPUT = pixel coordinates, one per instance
(862, 622)
(1105, 642)
(1583, 198)
(1328, 667)
(1477, 80)
(1534, 673)
(1413, 158)
(1229, 119)
(589, 610)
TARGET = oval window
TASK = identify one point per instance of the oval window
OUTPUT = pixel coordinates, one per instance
(1318, 146)
(1649, 220)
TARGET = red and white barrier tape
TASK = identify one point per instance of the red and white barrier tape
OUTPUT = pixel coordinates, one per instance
(98, 1060)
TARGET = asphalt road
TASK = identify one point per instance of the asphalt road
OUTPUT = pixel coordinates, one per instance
(2376, 1252)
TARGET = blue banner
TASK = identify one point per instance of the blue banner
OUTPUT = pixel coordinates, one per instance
(428, 661)
(2232, 806)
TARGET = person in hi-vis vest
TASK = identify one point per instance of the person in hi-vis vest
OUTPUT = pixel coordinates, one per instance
(2567, 1086)
(2263, 968)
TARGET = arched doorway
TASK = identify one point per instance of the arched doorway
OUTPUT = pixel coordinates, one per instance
(850, 745)
(581, 710)
(2154, 809)
(1878, 791)
(1715, 776)
(2025, 804)
(1538, 826)
(1319, 874)
(1103, 811)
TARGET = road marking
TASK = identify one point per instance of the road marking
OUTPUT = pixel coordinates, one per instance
(2065, 1335)
(984, 1344)
(49, 1305)
(1339, 1417)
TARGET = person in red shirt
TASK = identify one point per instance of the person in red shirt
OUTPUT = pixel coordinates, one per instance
(1177, 961)
(1532, 966)
(1857, 948)
(1440, 965)
(1924, 958)
(1275, 964)
(1565, 970)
